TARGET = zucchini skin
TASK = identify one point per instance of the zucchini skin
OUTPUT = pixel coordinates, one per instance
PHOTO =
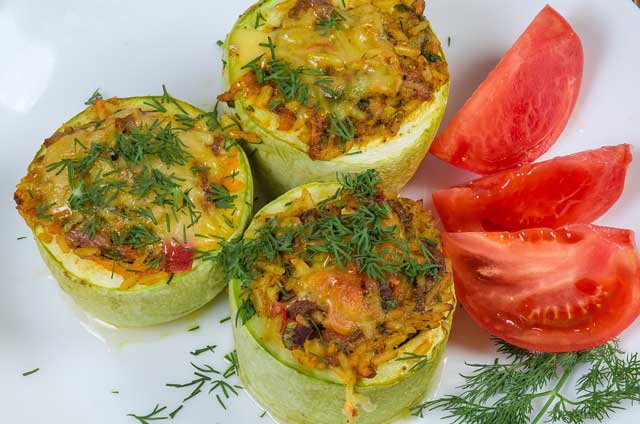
(163, 302)
(293, 394)
(282, 165)
(182, 294)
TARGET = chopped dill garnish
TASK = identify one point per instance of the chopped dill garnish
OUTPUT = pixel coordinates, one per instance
(77, 143)
(324, 84)
(155, 105)
(194, 328)
(225, 319)
(504, 392)
(333, 21)
(200, 168)
(272, 47)
(287, 78)
(41, 211)
(351, 238)
(21, 238)
(220, 196)
(151, 416)
(208, 348)
(221, 402)
(95, 96)
(232, 357)
(259, 20)
(204, 379)
(344, 129)
(137, 236)
(432, 57)
(28, 373)
(173, 414)
(422, 360)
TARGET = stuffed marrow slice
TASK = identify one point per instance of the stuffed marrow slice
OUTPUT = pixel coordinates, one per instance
(122, 198)
(343, 303)
(334, 86)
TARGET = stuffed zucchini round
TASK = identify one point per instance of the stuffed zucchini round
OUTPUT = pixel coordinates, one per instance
(123, 197)
(343, 303)
(334, 86)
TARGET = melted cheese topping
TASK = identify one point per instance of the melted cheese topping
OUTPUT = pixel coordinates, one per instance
(338, 317)
(124, 198)
(342, 298)
(364, 68)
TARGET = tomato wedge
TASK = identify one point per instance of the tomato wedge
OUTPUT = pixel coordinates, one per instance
(523, 105)
(548, 290)
(565, 190)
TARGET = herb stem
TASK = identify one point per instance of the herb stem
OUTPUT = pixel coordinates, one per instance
(554, 393)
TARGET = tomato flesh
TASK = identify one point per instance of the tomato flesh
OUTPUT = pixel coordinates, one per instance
(178, 257)
(560, 290)
(523, 105)
(577, 188)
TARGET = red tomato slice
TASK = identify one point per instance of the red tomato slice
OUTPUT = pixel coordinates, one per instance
(523, 105)
(565, 190)
(548, 290)
(178, 257)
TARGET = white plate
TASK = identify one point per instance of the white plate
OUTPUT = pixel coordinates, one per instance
(54, 54)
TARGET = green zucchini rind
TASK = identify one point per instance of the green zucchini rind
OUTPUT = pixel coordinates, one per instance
(142, 305)
(282, 160)
(293, 393)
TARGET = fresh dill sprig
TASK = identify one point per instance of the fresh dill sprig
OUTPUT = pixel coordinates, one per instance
(507, 392)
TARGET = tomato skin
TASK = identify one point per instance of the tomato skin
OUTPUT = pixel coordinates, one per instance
(178, 257)
(560, 290)
(520, 109)
(577, 188)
